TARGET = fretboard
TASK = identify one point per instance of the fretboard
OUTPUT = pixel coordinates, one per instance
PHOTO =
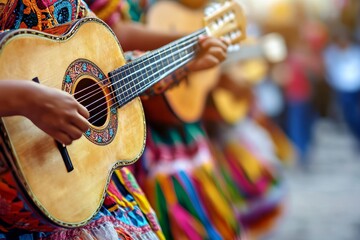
(132, 79)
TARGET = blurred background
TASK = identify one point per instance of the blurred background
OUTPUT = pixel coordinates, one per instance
(310, 86)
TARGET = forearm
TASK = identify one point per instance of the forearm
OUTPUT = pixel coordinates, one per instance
(194, 3)
(12, 96)
(134, 36)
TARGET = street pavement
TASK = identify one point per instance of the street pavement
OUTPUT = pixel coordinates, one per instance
(323, 200)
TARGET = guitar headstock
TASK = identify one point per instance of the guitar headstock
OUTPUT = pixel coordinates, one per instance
(226, 20)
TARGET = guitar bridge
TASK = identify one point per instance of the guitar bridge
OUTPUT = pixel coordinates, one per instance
(65, 156)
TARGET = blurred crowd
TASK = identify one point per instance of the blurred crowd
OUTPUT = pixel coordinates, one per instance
(320, 76)
(308, 70)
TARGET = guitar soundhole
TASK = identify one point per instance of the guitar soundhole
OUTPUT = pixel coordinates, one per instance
(91, 95)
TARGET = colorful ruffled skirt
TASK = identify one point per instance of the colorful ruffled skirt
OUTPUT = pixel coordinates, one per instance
(203, 189)
(180, 178)
(125, 214)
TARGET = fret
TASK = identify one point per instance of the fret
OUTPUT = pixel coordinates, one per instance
(162, 63)
(121, 90)
(139, 77)
(123, 80)
(158, 62)
(150, 68)
(116, 83)
(127, 72)
(129, 79)
(143, 70)
(168, 62)
(130, 90)
(172, 56)
(145, 63)
(125, 85)
(141, 84)
(133, 76)
(145, 80)
(156, 73)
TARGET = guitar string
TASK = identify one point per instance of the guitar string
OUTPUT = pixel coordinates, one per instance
(135, 94)
(187, 58)
(132, 81)
(199, 32)
(135, 79)
(138, 61)
(154, 54)
(143, 74)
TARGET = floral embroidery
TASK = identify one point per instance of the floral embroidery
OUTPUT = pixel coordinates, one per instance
(78, 69)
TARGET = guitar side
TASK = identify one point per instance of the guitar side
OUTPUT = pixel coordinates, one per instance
(185, 102)
(69, 199)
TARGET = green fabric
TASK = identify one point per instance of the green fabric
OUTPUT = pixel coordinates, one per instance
(162, 209)
(183, 198)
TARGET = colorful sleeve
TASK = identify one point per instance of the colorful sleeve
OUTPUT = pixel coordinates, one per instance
(110, 11)
(84, 10)
(168, 82)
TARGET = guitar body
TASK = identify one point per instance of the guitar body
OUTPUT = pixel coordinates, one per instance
(71, 62)
(185, 102)
(225, 106)
(229, 101)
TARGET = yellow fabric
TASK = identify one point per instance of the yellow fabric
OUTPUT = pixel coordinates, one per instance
(140, 199)
(251, 165)
(221, 213)
(108, 9)
(283, 146)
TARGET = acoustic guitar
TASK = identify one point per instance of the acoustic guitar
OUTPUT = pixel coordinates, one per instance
(186, 102)
(66, 185)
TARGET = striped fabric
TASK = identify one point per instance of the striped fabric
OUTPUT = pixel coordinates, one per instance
(179, 176)
(248, 159)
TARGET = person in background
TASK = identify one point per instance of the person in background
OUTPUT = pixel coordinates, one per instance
(342, 64)
(299, 113)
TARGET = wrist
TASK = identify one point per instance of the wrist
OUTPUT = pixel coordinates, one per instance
(23, 97)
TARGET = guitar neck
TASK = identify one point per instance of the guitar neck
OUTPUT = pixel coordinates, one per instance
(132, 79)
(243, 53)
(272, 47)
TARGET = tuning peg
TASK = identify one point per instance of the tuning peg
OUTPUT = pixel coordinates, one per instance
(220, 22)
(233, 48)
(211, 8)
